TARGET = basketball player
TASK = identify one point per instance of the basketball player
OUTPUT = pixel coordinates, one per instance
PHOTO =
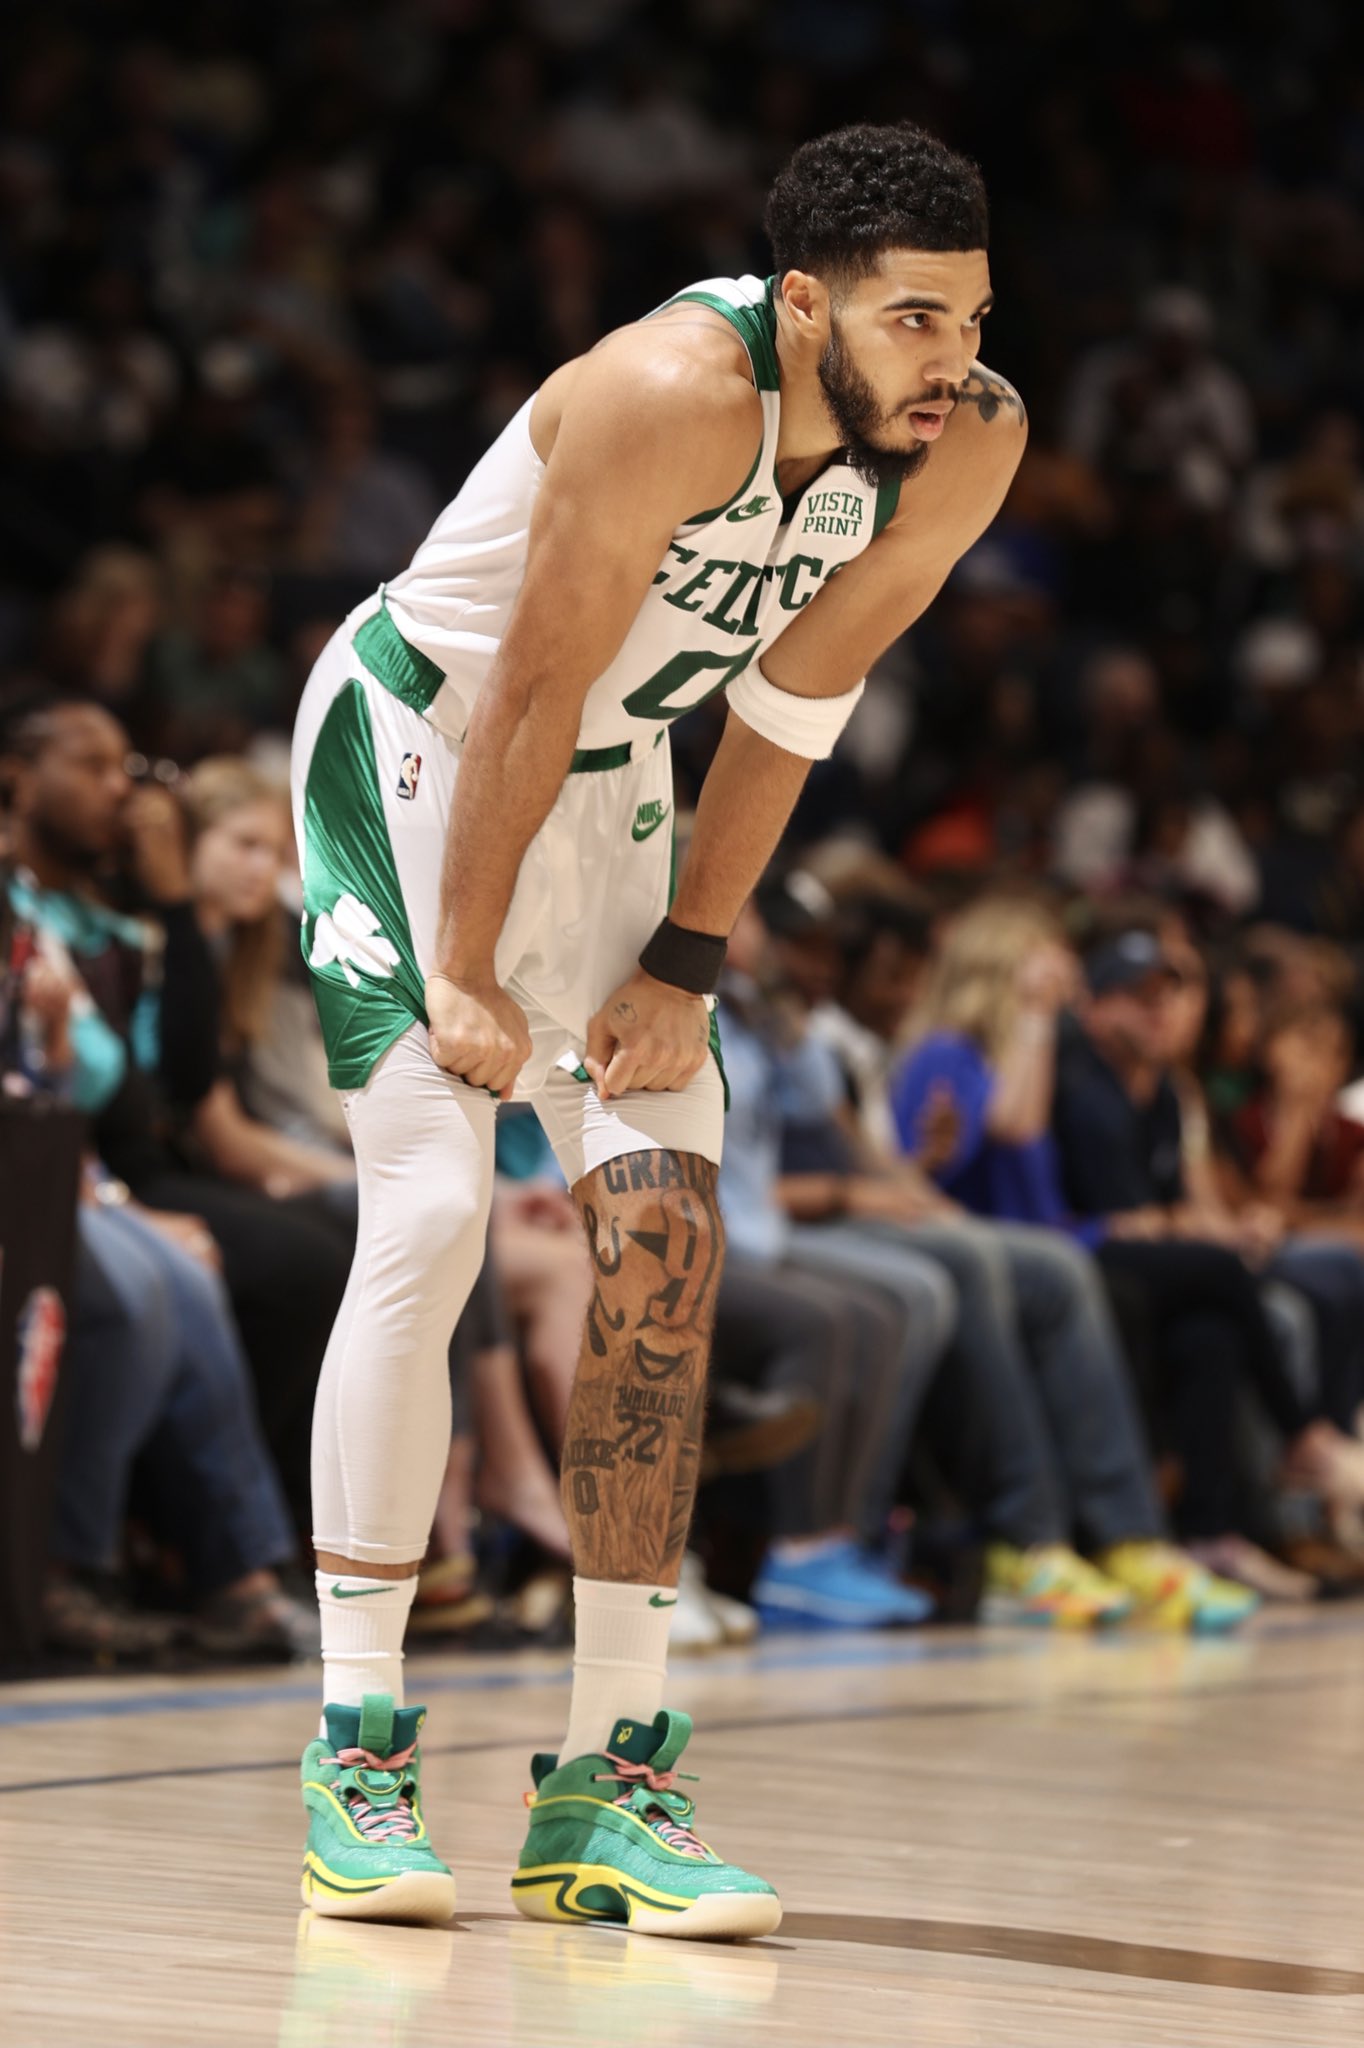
(755, 490)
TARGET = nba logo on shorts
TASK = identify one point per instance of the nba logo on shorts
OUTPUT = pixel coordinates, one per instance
(39, 1337)
(407, 775)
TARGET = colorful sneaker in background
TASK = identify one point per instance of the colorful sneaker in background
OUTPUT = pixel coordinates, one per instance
(834, 1586)
(611, 1839)
(368, 1856)
(1049, 1586)
(1172, 1591)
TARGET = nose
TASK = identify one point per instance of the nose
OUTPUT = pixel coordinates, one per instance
(949, 366)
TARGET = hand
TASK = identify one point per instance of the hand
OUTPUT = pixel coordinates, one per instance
(895, 1200)
(1262, 1232)
(646, 1035)
(1146, 1226)
(541, 1204)
(477, 1033)
(190, 1233)
(47, 993)
(154, 826)
(938, 1131)
(1047, 979)
(1305, 1065)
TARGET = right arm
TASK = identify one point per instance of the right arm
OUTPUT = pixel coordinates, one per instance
(1025, 1073)
(647, 432)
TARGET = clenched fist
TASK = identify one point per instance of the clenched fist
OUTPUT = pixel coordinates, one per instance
(477, 1033)
(647, 1035)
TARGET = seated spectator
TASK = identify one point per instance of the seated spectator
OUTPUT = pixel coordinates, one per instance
(1301, 1151)
(82, 832)
(1035, 1364)
(241, 838)
(1038, 1124)
(157, 1384)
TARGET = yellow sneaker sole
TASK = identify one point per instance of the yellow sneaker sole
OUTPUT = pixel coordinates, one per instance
(554, 1892)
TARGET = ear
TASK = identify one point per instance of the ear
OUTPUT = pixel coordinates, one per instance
(805, 301)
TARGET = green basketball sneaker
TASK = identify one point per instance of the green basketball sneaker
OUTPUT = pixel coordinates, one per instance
(611, 1840)
(368, 1855)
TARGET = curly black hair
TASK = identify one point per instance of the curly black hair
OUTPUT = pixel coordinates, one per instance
(845, 198)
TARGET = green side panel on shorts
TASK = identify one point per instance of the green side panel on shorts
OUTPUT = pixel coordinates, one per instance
(356, 937)
(399, 666)
(716, 1052)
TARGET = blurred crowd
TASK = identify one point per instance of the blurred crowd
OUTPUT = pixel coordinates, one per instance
(1044, 1191)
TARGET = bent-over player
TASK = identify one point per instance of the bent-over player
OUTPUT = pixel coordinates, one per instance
(754, 490)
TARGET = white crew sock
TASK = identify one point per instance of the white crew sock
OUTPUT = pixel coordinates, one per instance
(620, 1659)
(363, 1623)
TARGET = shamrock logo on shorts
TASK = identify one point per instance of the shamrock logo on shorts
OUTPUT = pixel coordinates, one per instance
(349, 935)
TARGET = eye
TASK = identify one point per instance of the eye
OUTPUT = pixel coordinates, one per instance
(917, 321)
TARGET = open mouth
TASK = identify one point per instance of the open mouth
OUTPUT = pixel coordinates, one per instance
(928, 423)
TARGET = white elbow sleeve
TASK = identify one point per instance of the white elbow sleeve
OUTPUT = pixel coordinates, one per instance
(808, 726)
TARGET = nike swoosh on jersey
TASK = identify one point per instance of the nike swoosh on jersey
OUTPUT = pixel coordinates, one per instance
(638, 832)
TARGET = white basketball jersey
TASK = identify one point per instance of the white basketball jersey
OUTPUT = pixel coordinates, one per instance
(731, 579)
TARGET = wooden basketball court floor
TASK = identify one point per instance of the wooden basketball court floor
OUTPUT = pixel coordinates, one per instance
(989, 1838)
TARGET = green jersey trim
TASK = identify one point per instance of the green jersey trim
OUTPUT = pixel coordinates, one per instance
(414, 678)
(756, 327)
(887, 498)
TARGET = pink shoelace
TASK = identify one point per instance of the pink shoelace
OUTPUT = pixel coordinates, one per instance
(383, 1823)
(632, 1775)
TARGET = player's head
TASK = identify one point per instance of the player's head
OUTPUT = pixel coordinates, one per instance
(879, 236)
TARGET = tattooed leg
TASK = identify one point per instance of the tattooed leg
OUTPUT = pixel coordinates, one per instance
(633, 1445)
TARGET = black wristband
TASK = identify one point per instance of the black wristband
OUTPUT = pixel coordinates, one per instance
(689, 960)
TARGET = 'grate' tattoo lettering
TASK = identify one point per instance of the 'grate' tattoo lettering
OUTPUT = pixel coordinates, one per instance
(637, 1414)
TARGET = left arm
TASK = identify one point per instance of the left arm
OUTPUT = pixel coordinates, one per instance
(242, 1148)
(751, 787)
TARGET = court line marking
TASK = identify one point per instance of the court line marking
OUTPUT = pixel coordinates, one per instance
(1022, 1641)
(928, 1711)
(26, 1713)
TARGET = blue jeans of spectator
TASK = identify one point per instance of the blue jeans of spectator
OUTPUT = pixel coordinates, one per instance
(892, 1396)
(158, 1377)
(1038, 1340)
(981, 1412)
(1330, 1277)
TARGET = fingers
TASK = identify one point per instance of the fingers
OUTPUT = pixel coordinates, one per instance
(651, 1064)
(601, 1044)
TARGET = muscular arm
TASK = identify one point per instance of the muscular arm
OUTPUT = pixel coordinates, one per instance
(646, 434)
(752, 785)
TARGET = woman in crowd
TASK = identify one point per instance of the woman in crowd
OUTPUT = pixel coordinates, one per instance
(241, 853)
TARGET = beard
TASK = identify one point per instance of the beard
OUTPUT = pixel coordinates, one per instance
(859, 419)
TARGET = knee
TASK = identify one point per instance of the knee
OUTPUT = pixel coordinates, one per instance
(442, 1218)
(655, 1237)
(939, 1308)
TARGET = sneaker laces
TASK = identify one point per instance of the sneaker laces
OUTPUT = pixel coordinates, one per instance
(660, 1817)
(379, 1823)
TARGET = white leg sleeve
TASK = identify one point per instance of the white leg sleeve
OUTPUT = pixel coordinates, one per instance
(381, 1427)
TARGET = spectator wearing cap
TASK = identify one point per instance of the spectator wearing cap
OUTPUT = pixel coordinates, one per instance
(1032, 1414)
(1117, 1123)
